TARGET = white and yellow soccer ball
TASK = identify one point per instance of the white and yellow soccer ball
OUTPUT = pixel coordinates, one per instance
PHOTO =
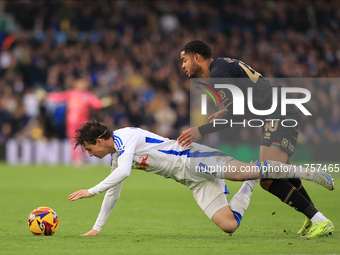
(43, 221)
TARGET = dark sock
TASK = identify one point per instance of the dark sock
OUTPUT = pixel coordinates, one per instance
(291, 196)
(298, 185)
(310, 211)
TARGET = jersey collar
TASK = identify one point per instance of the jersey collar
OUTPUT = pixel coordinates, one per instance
(210, 64)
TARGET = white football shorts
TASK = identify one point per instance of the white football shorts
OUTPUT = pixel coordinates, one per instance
(209, 191)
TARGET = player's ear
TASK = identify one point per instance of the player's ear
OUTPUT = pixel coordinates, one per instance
(99, 141)
(197, 57)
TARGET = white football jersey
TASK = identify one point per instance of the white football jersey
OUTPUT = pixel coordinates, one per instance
(156, 154)
(152, 153)
(140, 149)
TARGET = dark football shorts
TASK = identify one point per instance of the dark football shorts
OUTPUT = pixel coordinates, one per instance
(274, 133)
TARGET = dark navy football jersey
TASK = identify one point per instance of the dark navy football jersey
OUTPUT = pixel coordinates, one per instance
(237, 73)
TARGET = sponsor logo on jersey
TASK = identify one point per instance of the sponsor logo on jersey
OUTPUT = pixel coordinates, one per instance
(142, 165)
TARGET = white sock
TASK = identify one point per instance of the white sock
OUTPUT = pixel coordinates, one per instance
(318, 217)
(251, 183)
(240, 201)
(277, 170)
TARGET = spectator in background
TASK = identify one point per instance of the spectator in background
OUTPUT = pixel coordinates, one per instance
(79, 101)
(31, 104)
(130, 49)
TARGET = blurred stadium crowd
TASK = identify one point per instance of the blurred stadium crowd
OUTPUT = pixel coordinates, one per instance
(130, 50)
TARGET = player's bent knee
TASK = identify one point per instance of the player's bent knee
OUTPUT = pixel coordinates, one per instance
(229, 227)
(224, 219)
(265, 183)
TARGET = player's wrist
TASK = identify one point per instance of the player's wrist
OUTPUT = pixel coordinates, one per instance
(97, 228)
(91, 192)
(206, 129)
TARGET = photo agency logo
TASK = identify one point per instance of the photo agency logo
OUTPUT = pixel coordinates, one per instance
(204, 97)
(238, 101)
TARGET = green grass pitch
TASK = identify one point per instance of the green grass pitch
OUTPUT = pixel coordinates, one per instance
(153, 216)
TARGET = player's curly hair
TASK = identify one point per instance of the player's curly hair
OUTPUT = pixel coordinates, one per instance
(198, 46)
(90, 131)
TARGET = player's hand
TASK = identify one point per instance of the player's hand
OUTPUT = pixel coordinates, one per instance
(79, 195)
(92, 232)
(217, 115)
(189, 136)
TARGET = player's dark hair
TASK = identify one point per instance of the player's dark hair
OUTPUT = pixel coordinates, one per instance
(90, 131)
(198, 46)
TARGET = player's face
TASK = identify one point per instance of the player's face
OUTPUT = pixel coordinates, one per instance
(191, 68)
(81, 84)
(96, 150)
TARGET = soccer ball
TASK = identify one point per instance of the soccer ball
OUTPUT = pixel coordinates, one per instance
(43, 221)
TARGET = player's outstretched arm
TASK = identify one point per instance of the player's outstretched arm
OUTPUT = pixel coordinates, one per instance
(110, 200)
(189, 136)
(92, 232)
(217, 115)
(83, 193)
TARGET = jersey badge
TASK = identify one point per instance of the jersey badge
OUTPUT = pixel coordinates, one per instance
(221, 93)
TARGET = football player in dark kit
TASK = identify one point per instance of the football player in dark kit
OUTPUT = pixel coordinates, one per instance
(277, 142)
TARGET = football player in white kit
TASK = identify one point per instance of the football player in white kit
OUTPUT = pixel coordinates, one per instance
(200, 168)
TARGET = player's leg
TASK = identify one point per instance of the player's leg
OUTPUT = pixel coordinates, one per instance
(77, 154)
(278, 143)
(271, 152)
(218, 162)
(224, 167)
(235, 170)
(307, 229)
(287, 192)
(282, 188)
(297, 183)
(229, 217)
(211, 194)
(225, 220)
(281, 156)
(239, 171)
